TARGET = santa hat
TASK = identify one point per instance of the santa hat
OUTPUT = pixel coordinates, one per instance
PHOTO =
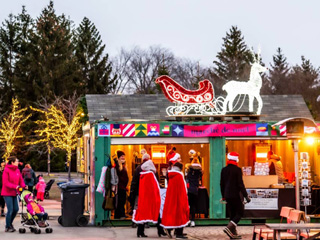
(120, 153)
(175, 157)
(233, 156)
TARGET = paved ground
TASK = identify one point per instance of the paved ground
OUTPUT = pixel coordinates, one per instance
(106, 233)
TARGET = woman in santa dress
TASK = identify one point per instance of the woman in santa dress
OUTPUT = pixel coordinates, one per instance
(149, 200)
(176, 207)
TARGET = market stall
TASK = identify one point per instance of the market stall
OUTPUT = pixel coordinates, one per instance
(129, 124)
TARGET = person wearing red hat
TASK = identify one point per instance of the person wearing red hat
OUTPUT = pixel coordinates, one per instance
(233, 191)
(176, 210)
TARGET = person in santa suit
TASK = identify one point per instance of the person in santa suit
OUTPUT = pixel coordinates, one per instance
(176, 207)
(233, 191)
(145, 196)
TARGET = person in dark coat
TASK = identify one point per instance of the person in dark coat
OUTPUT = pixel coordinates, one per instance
(193, 177)
(2, 202)
(122, 185)
(233, 191)
(29, 177)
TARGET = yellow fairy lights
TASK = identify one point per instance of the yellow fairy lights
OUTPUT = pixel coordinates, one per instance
(10, 127)
(57, 131)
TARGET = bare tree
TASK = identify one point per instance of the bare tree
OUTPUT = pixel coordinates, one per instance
(138, 68)
(188, 73)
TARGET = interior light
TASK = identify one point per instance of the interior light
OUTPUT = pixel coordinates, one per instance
(310, 140)
(262, 155)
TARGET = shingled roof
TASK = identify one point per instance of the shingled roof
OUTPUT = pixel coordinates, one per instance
(153, 107)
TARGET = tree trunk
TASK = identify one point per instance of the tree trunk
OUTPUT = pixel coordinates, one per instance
(48, 163)
(69, 165)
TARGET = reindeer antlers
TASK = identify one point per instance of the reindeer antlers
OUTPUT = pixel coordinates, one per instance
(256, 57)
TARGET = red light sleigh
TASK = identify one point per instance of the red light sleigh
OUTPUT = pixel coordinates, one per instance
(198, 102)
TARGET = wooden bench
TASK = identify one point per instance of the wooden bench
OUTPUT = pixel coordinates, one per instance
(259, 229)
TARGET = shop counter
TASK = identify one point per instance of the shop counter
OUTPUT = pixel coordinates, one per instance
(260, 181)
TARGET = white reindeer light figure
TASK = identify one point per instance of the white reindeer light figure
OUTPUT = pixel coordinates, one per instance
(250, 88)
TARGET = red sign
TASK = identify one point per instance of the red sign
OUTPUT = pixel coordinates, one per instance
(219, 130)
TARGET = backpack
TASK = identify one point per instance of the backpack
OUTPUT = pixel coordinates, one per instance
(28, 175)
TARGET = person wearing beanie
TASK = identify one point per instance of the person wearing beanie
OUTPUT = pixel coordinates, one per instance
(176, 216)
(193, 177)
(233, 191)
(122, 185)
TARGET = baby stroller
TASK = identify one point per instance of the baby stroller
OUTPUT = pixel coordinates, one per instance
(48, 187)
(31, 221)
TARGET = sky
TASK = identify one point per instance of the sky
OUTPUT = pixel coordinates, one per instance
(194, 29)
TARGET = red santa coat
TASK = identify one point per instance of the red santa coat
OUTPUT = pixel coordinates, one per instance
(176, 207)
(149, 199)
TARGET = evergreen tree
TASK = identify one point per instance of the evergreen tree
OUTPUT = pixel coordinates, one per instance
(54, 72)
(303, 80)
(8, 57)
(278, 74)
(24, 83)
(93, 63)
(234, 58)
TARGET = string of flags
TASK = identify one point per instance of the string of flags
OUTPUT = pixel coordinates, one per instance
(166, 129)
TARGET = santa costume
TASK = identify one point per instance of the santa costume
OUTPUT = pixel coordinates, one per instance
(149, 196)
(176, 207)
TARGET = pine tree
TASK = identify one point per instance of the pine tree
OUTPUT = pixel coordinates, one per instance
(24, 85)
(303, 80)
(8, 57)
(94, 65)
(54, 72)
(234, 58)
(278, 74)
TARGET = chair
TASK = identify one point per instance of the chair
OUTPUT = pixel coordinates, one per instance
(259, 229)
(295, 216)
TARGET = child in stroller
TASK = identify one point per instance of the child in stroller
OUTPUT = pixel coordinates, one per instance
(36, 217)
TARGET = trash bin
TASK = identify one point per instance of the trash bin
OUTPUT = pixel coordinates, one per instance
(72, 204)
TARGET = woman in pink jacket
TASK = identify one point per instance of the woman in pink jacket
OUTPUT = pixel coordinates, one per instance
(11, 181)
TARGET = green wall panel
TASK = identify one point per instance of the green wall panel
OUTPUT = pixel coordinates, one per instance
(217, 162)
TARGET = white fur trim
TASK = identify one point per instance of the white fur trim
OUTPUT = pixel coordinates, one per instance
(148, 166)
(181, 226)
(175, 157)
(234, 158)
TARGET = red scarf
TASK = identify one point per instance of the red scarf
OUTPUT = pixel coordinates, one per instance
(232, 162)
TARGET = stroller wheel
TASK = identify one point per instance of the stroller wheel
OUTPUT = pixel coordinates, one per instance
(31, 229)
(37, 231)
(22, 230)
(49, 230)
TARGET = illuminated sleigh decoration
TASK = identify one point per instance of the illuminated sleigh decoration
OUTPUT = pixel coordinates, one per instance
(190, 102)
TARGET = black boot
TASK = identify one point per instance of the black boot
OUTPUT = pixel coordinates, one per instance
(140, 231)
(160, 231)
(231, 230)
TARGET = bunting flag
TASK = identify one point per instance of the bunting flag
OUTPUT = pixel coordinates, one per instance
(153, 130)
(103, 130)
(165, 130)
(140, 130)
(128, 130)
(262, 129)
(283, 130)
(177, 130)
(115, 130)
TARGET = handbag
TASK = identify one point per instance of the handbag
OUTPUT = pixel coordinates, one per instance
(108, 202)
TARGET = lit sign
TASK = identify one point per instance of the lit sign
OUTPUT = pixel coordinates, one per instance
(203, 102)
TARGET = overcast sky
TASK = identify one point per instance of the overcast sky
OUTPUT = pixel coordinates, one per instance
(194, 28)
